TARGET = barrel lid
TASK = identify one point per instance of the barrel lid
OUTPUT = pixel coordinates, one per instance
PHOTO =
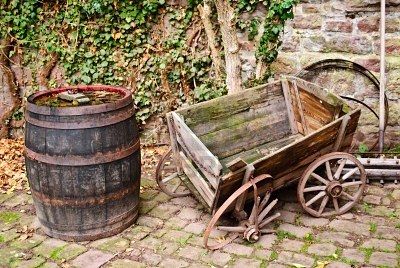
(79, 110)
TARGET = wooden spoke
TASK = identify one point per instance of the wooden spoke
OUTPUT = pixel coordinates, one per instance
(269, 219)
(254, 211)
(318, 177)
(264, 201)
(266, 210)
(267, 231)
(328, 170)
(315, 198)
(352, 183)
(170, 177)
(339, 169)
(348, 196)
(168, 183)
(176, 186)
(232, 228)
(336, 204)
(323, 204)
(333, 187)
(314, 188)
(349, 174)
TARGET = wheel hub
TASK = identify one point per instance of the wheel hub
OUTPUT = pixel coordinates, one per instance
(334, 189)
(251, 234)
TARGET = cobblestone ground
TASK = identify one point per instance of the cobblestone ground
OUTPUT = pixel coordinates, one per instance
(169, 234)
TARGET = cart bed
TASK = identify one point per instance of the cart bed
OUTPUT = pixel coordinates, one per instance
(279, 128)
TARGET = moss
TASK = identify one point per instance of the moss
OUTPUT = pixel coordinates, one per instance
(372, 227)
(367, 253)
(274, 256)
(9, 217)
(55, 254)
(283, 234)
(2, 239)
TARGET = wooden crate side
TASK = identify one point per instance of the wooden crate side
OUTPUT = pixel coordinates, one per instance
(272, 126)
(197, 180)
(194, 146)
(252, 112)
(226, 106)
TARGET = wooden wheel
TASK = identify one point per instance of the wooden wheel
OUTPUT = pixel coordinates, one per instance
(251, 228)
(327, 189)
(167, 177)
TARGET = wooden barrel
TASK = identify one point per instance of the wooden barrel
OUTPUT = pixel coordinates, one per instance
(83, 165)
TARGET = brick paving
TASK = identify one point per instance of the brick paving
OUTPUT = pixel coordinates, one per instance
(169, 234)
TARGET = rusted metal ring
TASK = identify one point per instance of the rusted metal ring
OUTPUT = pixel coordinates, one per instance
(75, 160)
(84, 201)
(101, 121)
(80, 110)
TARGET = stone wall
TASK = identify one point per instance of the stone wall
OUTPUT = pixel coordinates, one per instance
(347, 29)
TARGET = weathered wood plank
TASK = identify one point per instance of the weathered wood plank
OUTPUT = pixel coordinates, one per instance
(316, 108)
(197, 180)
(258, 152)
(187, 139)
(245, 136)
(255, 111)
(300, 109)
(228, 105)
(236, 164)
(289, 106)
(320, 92)
(174, 142)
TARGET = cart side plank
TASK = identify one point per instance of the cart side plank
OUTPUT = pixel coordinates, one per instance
(174, 145)
(226, 106)
(238, 138)
(197, 180)
(289, 106)
(188, 139)
(320, 93)
(252, 112)
(300, 109)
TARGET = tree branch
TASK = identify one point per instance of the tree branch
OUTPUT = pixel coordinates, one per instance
(9, 100)
(226, 20)
(205, 13)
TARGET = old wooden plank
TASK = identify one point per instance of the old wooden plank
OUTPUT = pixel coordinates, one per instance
(197, 180)
(341, 133)
(255, 111)
(320, 93)
(195, 147)
(289, 106)
(174, 142)
(316, 108)
(236, 164)
(228, 105)
(243, 137)
(300, 109)
(260, 151)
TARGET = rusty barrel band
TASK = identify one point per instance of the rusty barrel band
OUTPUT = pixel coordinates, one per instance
(84, 201)
(74, 160)
(89, 123)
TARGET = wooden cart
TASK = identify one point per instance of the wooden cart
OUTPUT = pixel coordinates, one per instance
(238, 147)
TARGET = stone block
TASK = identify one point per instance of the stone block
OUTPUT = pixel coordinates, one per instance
(345, 26)
(92, 259)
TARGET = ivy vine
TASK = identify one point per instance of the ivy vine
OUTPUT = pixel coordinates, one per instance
(156, 49)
